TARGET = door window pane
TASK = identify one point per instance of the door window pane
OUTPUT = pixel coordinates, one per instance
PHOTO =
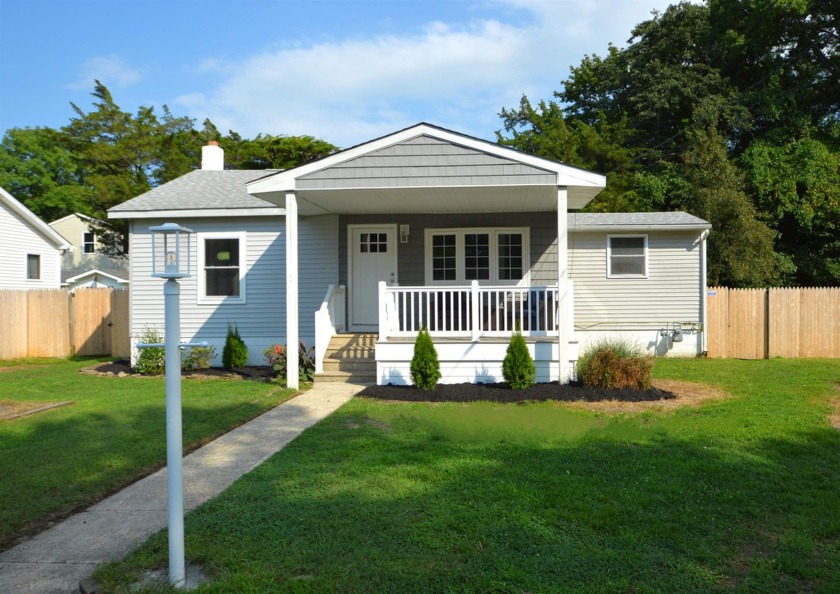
(477, 256)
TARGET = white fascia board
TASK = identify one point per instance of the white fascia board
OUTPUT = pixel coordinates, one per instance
(73, 279)
(196, 213)
(30, 217)
(566, 175)
(632, 228)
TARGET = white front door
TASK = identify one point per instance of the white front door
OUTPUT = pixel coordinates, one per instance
(373, 258)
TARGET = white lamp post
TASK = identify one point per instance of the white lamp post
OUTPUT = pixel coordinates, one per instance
(171, 257)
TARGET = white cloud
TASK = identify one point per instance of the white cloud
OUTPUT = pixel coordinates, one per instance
(455, 75)
(111, 70)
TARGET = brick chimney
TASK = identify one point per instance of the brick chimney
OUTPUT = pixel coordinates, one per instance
(212, 157)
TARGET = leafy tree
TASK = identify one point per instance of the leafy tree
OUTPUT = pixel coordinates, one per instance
(37, 169)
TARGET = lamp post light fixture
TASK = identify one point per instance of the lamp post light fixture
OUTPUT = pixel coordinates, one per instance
(171, 256)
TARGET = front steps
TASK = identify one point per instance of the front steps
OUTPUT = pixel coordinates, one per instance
(350, 358)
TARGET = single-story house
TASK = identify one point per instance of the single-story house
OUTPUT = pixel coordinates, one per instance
(30, 251)
(87, 265)
(423, 227)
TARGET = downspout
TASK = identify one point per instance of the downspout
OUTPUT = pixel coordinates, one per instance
(704, 294)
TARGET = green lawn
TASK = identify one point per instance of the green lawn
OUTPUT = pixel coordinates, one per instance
(54, 462)
(738, 495)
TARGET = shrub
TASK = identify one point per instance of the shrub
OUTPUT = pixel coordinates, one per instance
(197, 357)
(615, 364)
(235, 352)
(150, 360)
(306, 361)
(518, 367)
(425, 367)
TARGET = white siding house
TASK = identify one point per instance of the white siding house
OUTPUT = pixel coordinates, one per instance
(30, 251)
(423, 227)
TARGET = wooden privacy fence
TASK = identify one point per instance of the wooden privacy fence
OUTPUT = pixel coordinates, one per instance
(762, 323)
(55, 323)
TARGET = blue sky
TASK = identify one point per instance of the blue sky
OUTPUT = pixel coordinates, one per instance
(344, 71)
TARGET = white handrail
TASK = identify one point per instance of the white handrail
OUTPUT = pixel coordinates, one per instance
(468, 311)
(329, 320)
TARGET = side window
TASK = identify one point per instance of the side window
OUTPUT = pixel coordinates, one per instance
(221, 259)
(33, 267)
(89, 243)
(627, 256)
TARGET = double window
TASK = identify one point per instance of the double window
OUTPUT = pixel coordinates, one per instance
(221, 256)
(459, 256)
(627, 256)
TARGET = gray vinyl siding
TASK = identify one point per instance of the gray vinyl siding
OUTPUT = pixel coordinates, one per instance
(262, 318)
(426, 162)
(671, 292)
(411, 256)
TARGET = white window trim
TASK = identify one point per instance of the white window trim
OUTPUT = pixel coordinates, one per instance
(609, 254)
(494, 232)
(84, 243)
(203, 299)
(40, 278)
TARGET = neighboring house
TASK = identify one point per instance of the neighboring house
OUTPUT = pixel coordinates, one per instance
(423, 227)
(87, 265)
(30, 251)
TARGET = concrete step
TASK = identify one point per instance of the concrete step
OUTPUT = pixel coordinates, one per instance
(345, 377)
(350, 365)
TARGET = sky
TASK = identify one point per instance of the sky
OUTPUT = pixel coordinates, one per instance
(343, 71)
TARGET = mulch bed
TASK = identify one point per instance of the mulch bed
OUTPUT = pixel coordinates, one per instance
(124, 367)
(502, 393)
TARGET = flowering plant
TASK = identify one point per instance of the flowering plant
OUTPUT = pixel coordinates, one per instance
(272, 354)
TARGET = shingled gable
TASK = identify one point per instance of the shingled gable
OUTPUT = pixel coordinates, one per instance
(425, 162)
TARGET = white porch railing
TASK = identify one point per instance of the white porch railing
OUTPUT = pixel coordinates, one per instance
(329, 320)
(471, 312)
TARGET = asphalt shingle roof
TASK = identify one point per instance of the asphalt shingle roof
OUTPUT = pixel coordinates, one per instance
(201, 189)
(634, 219)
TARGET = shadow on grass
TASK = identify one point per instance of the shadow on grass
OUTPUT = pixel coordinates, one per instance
(356, 504)
(55, 465)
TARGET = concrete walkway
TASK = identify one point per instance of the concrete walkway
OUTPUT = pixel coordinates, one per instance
(54, 561)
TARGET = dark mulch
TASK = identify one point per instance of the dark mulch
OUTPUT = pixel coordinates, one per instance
(503, 393)
(254, 373)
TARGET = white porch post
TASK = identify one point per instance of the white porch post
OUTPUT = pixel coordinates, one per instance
(292, 331)
(564, 327)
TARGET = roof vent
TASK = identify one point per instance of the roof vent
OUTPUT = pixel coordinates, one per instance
(212, 157)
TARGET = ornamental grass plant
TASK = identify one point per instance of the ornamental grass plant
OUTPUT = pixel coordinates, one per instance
(615, 363)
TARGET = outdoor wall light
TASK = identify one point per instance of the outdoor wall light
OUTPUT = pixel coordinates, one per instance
(404, 229)
(171, 251)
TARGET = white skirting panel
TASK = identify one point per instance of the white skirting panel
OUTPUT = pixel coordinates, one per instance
(462, 362)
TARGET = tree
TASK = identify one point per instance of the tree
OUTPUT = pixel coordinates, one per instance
(37, 169)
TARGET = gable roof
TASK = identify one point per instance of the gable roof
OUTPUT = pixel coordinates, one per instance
(423, 158)
(635, 221)
(30, 218)
(199, 193)
(115, 275)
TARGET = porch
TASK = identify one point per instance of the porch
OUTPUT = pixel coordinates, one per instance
(471, 327)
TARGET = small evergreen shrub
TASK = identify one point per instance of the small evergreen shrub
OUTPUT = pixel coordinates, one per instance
(306, 361)
(235, 352)
(518, 366)
(150, 360)
(425, 367)
(612, 363)
(197, 357)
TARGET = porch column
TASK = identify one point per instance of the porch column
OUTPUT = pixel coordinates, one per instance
(563, 326)
(292, 332)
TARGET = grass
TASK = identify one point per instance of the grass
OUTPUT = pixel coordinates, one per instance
(61, 460)
(737, 495)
